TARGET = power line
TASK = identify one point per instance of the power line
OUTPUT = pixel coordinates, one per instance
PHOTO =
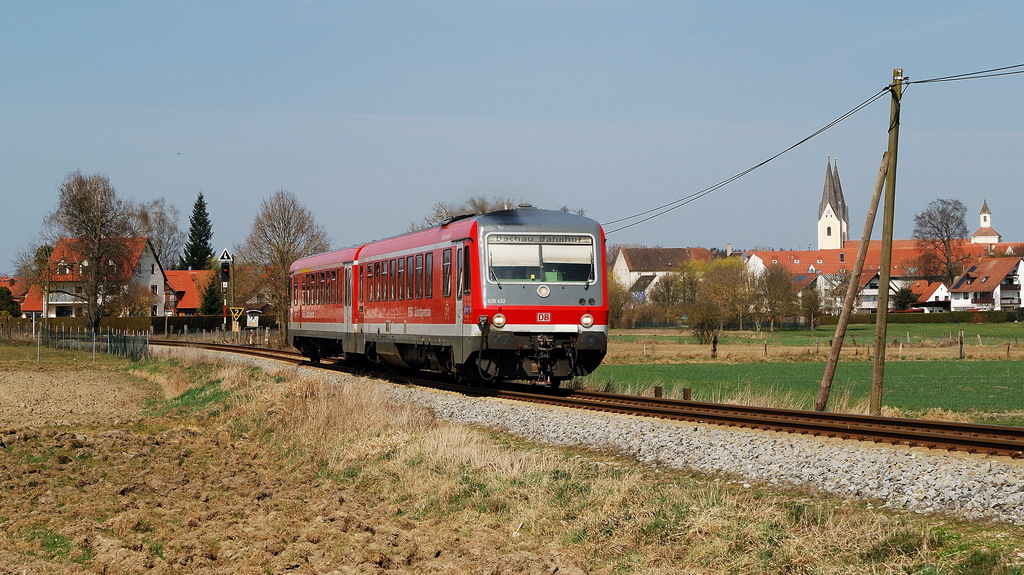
(666, 208)
(994, 72)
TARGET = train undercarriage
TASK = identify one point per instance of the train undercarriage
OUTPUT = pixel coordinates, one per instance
(548, 359)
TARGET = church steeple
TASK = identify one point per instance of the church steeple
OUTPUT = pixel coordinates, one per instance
(833, 214)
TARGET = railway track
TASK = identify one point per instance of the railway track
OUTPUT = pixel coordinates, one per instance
(992, 440)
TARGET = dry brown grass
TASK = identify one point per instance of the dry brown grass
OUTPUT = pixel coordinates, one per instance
(625, 518)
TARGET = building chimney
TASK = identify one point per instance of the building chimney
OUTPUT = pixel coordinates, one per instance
(728, 250)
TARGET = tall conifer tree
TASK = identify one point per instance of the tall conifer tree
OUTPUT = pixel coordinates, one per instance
(198, 249)
(212, 299)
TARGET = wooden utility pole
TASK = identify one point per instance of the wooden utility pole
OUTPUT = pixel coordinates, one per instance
(885, 269)
(851, 290)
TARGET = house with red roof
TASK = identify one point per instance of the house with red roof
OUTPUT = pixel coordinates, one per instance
(991, 284)
(18, 287)
(639, 268)
(185, 289)
(64, 293)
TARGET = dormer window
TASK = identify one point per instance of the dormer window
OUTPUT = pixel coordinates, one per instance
(796, 261)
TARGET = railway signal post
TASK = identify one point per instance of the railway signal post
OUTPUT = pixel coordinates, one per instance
(226, 260)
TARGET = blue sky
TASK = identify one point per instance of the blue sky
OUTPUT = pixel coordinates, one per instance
(370, 112)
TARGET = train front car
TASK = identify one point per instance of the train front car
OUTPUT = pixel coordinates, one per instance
(542, 306)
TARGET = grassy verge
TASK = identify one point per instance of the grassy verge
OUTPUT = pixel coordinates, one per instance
(623, 518)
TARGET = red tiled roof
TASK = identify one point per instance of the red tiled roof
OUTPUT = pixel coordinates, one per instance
(189, 285)
(661, 259)
(17, 286)
(33, 300)
(67, 251)
(924, 289)
(905, 257)
(984, 276)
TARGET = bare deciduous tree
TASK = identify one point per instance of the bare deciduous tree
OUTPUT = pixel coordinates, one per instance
(90, 212)
(777, 293)
(283, 231)
(727, 284)
(158, 220)
(441, 211)
(939, 231)
(810, 305)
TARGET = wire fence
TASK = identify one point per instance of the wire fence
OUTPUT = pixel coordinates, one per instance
(130, 345)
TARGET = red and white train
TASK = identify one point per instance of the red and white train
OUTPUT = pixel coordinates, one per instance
(512, 294)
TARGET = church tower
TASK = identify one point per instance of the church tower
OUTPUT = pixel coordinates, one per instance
(833, 215)
(985, 234)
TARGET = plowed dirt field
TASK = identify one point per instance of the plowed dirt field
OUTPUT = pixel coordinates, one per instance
(85, 489)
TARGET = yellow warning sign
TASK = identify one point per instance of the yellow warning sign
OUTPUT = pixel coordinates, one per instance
(236, 312)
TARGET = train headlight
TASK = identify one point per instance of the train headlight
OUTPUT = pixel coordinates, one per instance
(587, 320)
(543, 291)
(498, 320)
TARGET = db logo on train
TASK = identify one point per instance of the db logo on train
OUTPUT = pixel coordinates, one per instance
(541, 317)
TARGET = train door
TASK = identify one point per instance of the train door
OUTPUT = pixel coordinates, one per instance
(460, 303)
(347, 288)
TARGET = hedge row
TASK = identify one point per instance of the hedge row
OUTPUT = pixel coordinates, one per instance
(943, 317)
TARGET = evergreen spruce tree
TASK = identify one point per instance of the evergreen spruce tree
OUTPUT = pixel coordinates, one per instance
(212, 302)
(7, 303)
(198, 249)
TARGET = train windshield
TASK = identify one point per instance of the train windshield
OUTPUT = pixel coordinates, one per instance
(516, 258)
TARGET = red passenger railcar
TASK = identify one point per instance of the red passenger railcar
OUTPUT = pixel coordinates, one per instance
(513, 294)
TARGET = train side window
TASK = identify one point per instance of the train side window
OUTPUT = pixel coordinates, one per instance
(419, 276)
(458, 275)
(307, 290)
(376, 281)
(466, 280)
(428, 275)
(410, 276)
(400, 282)
(320, 291)
(391, 266)
(446, 273)
(334, 287)
(292, 291)
(366, 285)
(385, 280)
(369, 283)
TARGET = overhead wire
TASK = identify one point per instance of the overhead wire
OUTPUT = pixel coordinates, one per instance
(670, 206)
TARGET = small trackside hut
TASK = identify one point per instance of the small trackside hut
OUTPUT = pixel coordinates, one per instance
(512, 294)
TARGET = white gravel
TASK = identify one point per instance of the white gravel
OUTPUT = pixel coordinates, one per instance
(973, 487)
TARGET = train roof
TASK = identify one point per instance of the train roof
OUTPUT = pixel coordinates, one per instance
(454, 228)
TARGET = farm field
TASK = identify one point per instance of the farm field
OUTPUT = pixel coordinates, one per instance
(921, 377)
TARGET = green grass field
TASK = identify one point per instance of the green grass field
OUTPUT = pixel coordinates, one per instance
(991, 334)
(911, 386)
